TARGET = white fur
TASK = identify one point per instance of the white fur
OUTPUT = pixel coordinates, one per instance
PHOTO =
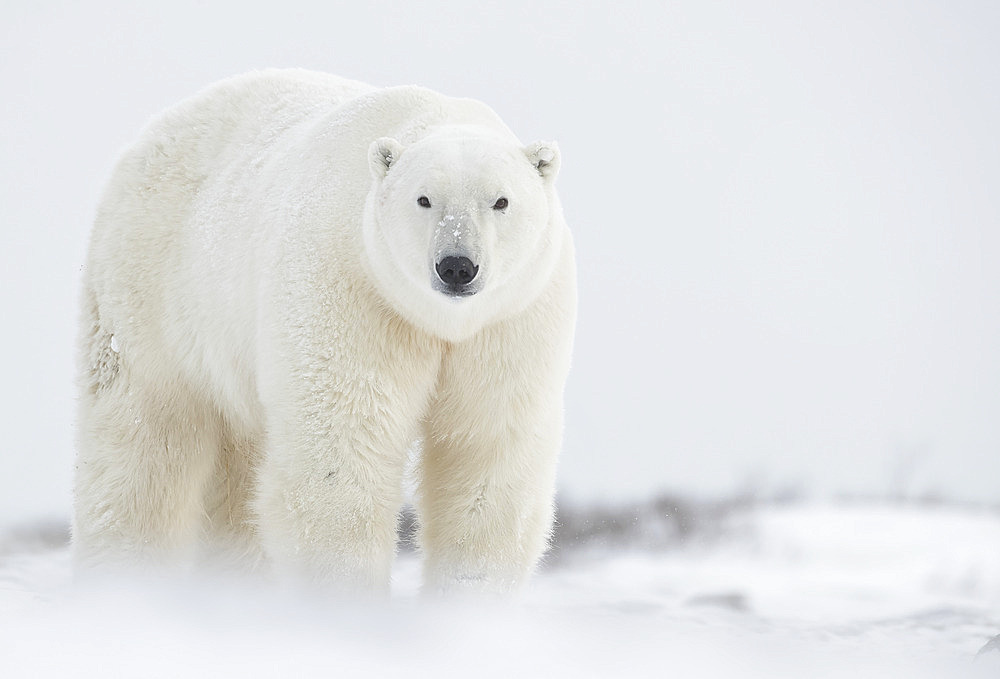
(264, 337)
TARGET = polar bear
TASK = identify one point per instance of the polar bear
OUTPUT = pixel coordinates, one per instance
(292, 279)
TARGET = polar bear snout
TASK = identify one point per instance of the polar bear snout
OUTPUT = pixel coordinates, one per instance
(457, 273)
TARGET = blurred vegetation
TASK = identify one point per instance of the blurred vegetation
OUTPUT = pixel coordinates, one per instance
(581, 530)
(663, 522)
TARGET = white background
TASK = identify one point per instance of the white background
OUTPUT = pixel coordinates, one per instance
(786, 217)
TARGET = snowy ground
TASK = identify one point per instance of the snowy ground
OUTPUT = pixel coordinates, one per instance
(797, 590)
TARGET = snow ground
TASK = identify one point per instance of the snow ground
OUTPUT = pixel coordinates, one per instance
(802, 590)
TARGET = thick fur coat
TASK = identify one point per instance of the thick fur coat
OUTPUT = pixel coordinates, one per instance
(294, 277)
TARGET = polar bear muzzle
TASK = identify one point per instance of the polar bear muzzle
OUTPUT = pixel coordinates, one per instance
(457, 273)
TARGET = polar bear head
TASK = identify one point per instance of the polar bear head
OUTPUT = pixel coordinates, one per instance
(462, 227)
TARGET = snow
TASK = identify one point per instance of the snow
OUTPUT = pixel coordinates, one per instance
(817, 590)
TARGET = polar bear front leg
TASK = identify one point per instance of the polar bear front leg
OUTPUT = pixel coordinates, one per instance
(327, 505)
(330, 483)
(488, 469)
(486, 488)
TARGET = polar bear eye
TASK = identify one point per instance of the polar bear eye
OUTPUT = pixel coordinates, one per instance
(424, 201)
(501, 204)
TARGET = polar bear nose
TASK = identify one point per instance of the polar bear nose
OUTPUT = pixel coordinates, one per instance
(456, 272)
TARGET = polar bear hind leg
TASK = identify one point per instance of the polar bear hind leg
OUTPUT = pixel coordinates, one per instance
(146, 451)
(233, 542)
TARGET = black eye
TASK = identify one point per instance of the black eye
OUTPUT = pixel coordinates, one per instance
(501, 204)
(424, 201)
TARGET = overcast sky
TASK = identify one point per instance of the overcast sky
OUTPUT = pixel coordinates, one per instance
(786, 218)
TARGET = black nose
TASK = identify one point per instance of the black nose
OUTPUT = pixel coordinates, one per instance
(456, 272)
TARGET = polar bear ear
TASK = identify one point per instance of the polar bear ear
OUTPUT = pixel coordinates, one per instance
(544, 155)
(382, 154)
